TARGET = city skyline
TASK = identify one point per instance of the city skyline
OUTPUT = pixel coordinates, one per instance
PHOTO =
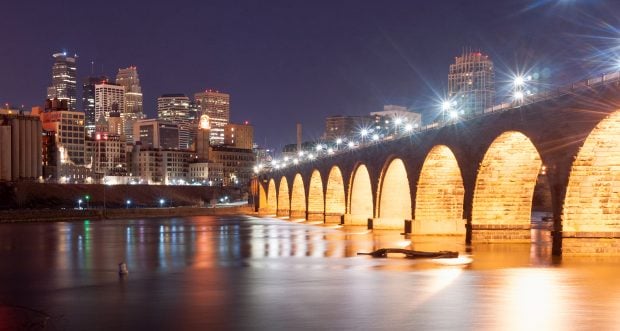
(301, 71)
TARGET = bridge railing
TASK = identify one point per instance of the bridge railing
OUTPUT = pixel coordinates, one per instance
(574, 88)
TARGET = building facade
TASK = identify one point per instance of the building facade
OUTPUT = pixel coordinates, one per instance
(108, 98)
(471, 84)
(160, 166)
(155, 133)
(129, 79)
(20, 147)
(69, 130)
(175, 108)
(88, 100)
(239, 136)
(216, 105)
(64, 81)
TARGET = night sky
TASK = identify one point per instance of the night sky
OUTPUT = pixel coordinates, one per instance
(299, 61)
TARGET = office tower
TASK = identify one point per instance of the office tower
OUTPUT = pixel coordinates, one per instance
(155, 133)
(108, 98)
(88, 100)
(216, 105)
(129, 79)
(175, 108)
(64, 81)
(471, 84)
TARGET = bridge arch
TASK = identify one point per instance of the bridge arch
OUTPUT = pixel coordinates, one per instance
(316, 199)
(262, 198)
(440, 194)
(272, 197)
(335, 205)
(504, 188)
(360, 196)
(394, 196)
(298, 198)
(592, 201)
(283, 198)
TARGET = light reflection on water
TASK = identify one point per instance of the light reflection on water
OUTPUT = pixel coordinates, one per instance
(249, 273)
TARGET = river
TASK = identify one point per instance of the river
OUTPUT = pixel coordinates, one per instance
(246, 273)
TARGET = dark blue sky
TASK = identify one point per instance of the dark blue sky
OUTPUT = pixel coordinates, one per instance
(298, 61)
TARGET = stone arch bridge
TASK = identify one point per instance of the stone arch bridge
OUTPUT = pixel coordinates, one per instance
(480, 178)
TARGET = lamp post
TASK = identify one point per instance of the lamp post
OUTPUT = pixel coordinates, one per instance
(128, 203)
(161, 203)
(79, 203)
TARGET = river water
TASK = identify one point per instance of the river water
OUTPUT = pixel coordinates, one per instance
(248, 273)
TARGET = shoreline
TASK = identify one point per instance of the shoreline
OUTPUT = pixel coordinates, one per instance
(60, 215)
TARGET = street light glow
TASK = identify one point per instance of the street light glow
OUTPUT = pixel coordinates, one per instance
(519, 81)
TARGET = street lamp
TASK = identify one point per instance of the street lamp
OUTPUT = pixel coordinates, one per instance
(363, 134)
(161, 202)
(87, 198)
(79, 203)
(128, 203)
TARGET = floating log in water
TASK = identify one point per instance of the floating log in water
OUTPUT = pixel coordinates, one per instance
(411, 254)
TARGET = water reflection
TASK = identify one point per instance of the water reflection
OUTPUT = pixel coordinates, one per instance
(250, 273)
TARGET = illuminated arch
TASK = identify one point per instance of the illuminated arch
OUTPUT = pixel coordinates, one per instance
(360, 198)
(395, 196)
(439, 194)
(334, 196)
(592, 201)
(505, 182)
(262, 198)
(298, 198)
(272, 197)
(316, 200)
(283, 198)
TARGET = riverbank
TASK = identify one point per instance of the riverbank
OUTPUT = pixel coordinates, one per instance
(33, 195)
(43, 215)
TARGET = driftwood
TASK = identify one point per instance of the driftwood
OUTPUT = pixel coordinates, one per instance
(411, 254)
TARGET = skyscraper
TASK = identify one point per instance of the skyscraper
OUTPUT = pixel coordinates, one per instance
(128, 78)
(109, 98)
(471, 83)
(216, 105)
(64, 81)
(88, 100)
(175, 108)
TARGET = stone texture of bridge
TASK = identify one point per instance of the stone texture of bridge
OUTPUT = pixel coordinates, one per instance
(476, 178)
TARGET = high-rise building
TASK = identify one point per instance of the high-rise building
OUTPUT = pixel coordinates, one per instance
(129, 79)
(109, 98)
(175, 108)
(471, 84)
(64, 81)
(216, 105)
(155, 133)
(88, 100)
